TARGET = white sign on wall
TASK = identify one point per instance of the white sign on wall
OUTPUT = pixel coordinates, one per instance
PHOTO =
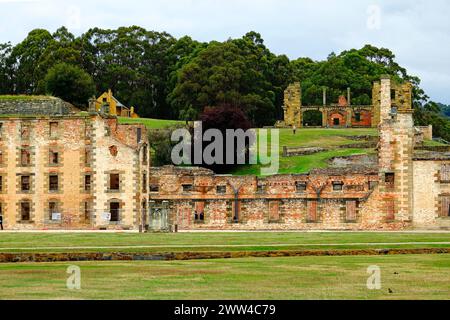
(56, 216)
(106, 216)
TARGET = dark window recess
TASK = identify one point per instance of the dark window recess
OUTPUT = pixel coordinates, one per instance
(87, 157)
(1, 183)
(54, 157)
(357, 117)
(338, 186)
(260, 188)
(138, 134)
(87, 211)
(53, 183)
(87, 182)
(144, 183)
(300, 186)
(25, 157)
(52, 208)
(389, 179)
(114, 210)
(145, 155)
(154, 188)
(25, 210)
(25, 183)
(393, 94)
(221, 189)
(114, 181)
(188, 187)
(1, 157)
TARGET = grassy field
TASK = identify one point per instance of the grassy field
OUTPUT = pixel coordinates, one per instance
(406, 277)
(150, 123)
(240, 241)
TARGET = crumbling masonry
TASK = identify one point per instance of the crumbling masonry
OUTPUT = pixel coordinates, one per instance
(405, 190)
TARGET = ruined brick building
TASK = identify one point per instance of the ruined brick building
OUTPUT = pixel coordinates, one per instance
(404, 189)
(343, 113)
(65, 169)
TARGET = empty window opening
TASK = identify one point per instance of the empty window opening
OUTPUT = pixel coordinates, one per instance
(338, 186)
(357, 116)
(87, 182)
(53, 210)
(393, 94)
(138, 134)
(188, 187)
(145, 155)
(221, 189)
(144, 183)
(114, 210)
(114, 181)
(261, 188)
(199, 212)
(25, 184)
(25, 210)
(53, 182)
(87, 211)
(389, 179)
(25, 157)
(53, 129)
(373, 185)
(54, 157)
(300, 186)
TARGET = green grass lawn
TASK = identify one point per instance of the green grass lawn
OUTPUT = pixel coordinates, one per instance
(150, 123)
(407, 277)
(215, 241)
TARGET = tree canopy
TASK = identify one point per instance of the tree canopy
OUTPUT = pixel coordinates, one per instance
(169, 78)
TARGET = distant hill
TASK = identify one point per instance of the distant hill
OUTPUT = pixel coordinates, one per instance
(445, 109)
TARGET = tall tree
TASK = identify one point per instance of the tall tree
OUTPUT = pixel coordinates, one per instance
(70, 83)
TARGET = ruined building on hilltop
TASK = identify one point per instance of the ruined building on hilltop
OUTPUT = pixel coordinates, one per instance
(342, 114)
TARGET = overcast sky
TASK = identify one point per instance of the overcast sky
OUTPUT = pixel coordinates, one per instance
(418, 31)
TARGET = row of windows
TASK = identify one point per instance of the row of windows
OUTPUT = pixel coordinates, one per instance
(312, 215)
(25, 130)
(260, 188)
(25, 182)
(53, 210)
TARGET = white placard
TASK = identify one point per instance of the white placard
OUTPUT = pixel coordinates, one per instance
(106, 216)
(56, 216)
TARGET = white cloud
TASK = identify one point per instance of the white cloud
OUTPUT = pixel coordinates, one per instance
(418, 32)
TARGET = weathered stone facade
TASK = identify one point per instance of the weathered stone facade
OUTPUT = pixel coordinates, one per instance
(343, 114)
(404, 190)
(56, 172)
